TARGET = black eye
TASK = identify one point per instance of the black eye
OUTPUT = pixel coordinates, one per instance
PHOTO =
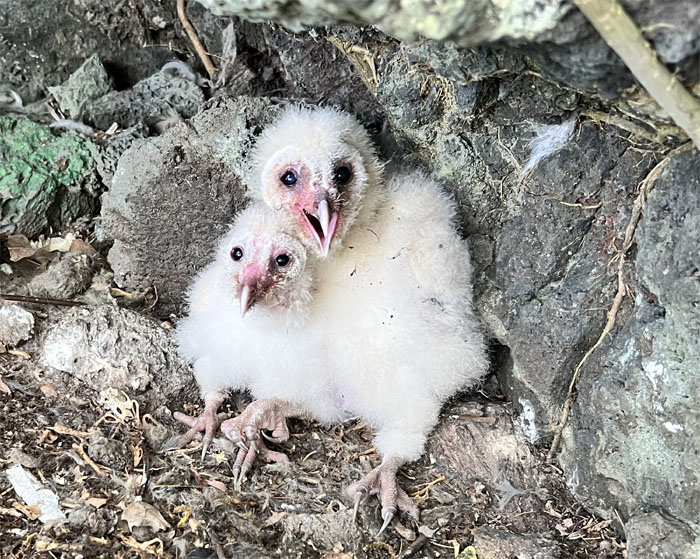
(289, 178)
(342, 175)
(282, 260)
(236, 253)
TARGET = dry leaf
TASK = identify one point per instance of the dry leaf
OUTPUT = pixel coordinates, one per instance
(82, 247)
(96, 502)
(4, 388)
(61, 244)
(20, 247)
(186, 513)
(139, 513)
(274, 519)
(48, 391)
(32, 512)
(220, 485)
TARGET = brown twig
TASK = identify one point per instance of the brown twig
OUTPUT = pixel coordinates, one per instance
(41, 300)
(194, 37)
(644, 188)
(89, 461)
(624, 37)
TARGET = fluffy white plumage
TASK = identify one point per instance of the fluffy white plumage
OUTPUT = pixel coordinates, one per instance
(382, 329)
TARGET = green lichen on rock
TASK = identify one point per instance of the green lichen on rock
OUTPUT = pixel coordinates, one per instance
(44, 179)
(88, 82)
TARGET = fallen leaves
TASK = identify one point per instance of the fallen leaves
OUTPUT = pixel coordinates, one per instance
(139, 514)
(20, 247)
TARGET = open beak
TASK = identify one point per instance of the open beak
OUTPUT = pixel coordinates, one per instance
(322, 225)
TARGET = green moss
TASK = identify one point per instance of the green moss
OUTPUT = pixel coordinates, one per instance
(44, 179)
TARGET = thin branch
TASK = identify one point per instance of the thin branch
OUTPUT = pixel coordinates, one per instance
(194, 37)
(624, 37)
(41, 300)
(644, 189)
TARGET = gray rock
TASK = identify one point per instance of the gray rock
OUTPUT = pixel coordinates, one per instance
(174, 195)
(88, 519)
(109, 452)
(473, 23)
(64, 278)
(324, 531)
(154, 100)
(44, 43)
(553, 34)
(45, 180)
(295, 60)
(483, 443)
(492, 543)
(16, 324)
(661, 537)
(669, 240)
(107, 347)
(540, 260)
(88, 82)
(634, 442)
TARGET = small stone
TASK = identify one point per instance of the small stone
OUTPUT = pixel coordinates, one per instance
(491, 543)
(16, 325)
(109, 452)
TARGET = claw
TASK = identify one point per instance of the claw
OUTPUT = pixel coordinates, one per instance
(388, 517)
(361, 493)
(275, 440)
(242, 446)
(236, 475)
(206, 441)
(248, 461)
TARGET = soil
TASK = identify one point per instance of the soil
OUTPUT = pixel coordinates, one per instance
(100, 459)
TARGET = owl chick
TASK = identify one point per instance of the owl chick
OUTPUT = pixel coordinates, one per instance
(394, 297)
(241, 306)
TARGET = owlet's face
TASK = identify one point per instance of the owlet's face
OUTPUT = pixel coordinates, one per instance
(315, 165)
(267, 266)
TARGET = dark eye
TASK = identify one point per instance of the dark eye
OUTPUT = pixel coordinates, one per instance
(342, 175)
(282, 260)
(289, 178)
(236, 253)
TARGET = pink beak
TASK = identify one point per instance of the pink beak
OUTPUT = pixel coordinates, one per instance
(322, 224)
(249, 279)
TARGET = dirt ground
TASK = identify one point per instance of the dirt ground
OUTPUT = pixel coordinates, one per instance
(99, 453)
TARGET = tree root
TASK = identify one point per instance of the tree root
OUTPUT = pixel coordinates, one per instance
(624, 37)
(644, 188)
(194, 37)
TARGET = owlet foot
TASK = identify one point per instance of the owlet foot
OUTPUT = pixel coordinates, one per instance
(207, 423)
(247, 431)
(382, 482)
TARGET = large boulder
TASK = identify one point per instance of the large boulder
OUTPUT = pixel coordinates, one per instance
(45, 180)
(551, 33)
(173, 195)
(634, 440)
(106, 347)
